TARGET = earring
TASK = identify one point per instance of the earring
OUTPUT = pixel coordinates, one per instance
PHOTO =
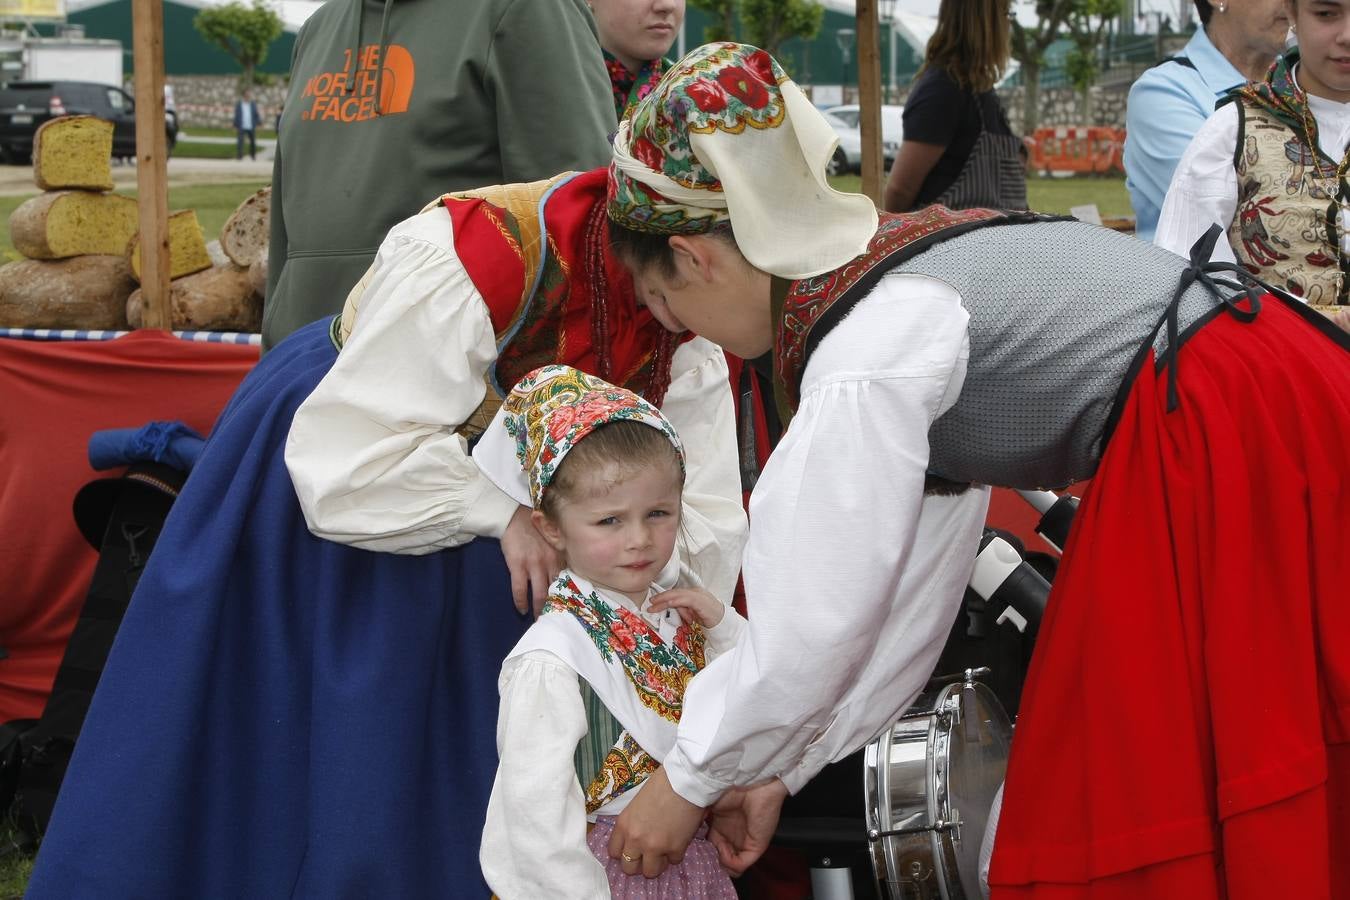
(1222, 7)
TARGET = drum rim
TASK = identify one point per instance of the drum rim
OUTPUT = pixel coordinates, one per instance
(937, 800)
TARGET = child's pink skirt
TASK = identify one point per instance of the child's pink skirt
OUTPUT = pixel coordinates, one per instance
(698, 877)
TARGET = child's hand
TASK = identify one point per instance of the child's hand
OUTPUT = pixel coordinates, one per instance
(694, 604)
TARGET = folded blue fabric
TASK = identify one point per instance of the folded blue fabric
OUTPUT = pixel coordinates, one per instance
(171, 443)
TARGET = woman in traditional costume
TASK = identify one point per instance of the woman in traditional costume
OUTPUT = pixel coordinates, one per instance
(922, 355)
(288, 713)
(1269, 166)
(635, 36)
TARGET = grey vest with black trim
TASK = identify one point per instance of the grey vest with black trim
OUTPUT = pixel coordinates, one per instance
(1058, 310)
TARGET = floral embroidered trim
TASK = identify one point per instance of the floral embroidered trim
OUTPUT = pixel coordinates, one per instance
(629, 89)
(625, 767)
(657, 670)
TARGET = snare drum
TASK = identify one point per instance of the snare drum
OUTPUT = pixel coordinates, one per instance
(929, 781)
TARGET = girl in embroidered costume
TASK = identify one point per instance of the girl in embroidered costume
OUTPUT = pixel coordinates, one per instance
(604, 472)
(635, 35)
(919, 354)
(1270, 165)
(303, 697)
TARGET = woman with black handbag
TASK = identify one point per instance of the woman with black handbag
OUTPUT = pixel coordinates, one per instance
(958, 150)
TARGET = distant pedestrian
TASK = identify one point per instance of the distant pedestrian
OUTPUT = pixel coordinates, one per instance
(246, 118)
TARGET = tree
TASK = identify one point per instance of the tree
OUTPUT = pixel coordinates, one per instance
(1028, 48)
(1087, 27)
(723, 13)
(771, 22)
(244, 32)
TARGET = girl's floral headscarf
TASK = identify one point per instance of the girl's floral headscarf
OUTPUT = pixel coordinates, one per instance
(727, 136)
(547, 413)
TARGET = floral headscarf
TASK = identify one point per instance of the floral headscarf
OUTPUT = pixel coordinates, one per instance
(547, 413)
(629, 88)
(1280, 94)
(727, 136)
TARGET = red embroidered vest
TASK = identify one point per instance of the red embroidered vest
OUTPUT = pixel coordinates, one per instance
(556, 294)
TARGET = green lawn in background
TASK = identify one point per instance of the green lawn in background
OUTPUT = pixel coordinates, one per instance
(15, 865)
(1053, 195)
(186, 149)
(195, 132)
(213, 203)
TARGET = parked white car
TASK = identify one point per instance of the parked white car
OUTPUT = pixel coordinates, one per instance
(892, 126)
(848, 155)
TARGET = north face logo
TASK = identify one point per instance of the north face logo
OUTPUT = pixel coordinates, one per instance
(331, 100)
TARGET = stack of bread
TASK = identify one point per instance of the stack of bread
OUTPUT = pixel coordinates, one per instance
(223, 296)
(83, 248)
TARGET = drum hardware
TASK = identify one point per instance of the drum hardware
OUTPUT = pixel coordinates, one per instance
(969, 676)
(953, 826)
(1057, 512)
(1008, 585)
(930, 780)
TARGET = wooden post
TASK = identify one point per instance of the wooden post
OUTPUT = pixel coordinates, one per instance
(869, 100)
(151, 159)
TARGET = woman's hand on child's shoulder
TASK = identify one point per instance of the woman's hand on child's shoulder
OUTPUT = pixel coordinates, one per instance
(694, 604)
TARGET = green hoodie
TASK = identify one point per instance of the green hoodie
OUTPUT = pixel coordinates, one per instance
(473, 93)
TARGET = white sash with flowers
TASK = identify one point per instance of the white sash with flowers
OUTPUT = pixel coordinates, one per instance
(638, 669)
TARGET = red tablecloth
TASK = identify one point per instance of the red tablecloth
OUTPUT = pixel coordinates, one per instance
(55, 394)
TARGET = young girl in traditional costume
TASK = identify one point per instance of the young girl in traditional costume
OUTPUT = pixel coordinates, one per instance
(302, 698)
(604, 472)
(1270, 167)
(635, 36)
(922, 355)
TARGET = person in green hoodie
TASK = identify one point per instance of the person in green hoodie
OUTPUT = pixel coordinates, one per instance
(394, 102)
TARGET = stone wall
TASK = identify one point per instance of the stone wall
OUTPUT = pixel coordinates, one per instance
(207, 101)
(1064, 106)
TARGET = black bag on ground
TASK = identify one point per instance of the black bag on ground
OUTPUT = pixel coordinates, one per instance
(121, 518)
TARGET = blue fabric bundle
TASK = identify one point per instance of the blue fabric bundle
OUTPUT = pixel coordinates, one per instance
(171, 443)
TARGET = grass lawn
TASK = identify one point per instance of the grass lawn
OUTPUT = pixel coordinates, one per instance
(185, 149)
(15, 865)
(1053, 195)
(195, 132)
(213, 203)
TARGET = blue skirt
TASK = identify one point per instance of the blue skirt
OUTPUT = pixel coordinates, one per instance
(283, 716)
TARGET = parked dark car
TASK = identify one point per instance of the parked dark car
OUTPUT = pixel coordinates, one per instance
(24, 105)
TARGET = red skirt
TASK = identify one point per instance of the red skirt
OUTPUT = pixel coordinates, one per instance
(1184, 727)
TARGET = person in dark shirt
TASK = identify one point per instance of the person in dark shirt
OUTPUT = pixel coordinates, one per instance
(958, 149)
